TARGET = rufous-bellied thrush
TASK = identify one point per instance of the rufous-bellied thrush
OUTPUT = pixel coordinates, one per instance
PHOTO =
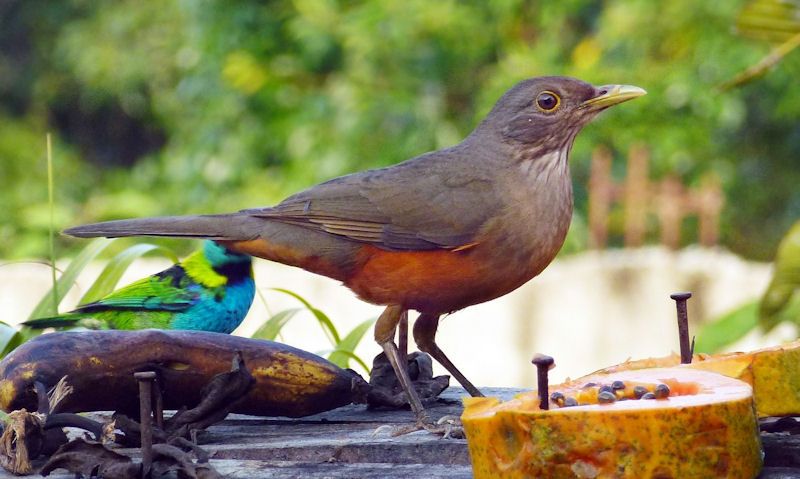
(436, 233)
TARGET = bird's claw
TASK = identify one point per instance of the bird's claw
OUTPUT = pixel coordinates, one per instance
(448, 427)
(451, 427)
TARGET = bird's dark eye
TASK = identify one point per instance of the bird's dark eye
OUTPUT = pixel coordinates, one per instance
(547, 101)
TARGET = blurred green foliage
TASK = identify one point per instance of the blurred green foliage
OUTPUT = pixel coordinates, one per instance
(186, 107)
(780, 302)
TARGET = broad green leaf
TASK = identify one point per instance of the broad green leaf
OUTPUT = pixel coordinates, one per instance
(272, 327)
(347, 346)
(785, 280)
(324, 320)
(109, 277)
(727, 329)
(67, 279)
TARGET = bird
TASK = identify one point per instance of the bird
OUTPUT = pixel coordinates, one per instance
(436, 233)
(210, 290)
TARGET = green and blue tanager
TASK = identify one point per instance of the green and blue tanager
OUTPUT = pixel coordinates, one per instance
(210, 290)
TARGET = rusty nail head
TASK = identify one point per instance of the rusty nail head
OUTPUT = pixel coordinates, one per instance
(680, 296)
(542, 360)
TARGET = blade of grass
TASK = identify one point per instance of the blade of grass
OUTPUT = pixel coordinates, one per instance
(324, 320)
(347, 346)
(111, 274)
(263, 301)
(272, 327)
(45, 307)
(51, 225)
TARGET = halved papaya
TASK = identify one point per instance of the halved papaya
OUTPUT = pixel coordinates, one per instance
(703, 426)
(774, 374)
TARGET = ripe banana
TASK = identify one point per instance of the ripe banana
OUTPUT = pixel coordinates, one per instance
(99, 366)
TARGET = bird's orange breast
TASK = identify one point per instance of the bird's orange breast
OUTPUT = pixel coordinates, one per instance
(435, 281)
(438, 281)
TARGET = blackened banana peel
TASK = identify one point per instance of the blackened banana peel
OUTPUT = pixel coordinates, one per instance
(99, 365)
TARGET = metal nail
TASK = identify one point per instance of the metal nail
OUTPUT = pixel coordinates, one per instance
(158, 406)
(683, 326)
(543, 365)
(145, 380)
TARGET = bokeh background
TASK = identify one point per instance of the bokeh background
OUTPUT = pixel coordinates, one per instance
(186, 107)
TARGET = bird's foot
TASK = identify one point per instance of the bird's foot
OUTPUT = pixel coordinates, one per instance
(448, 427)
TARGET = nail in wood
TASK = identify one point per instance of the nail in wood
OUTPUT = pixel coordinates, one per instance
(158, 407)
(145, 380)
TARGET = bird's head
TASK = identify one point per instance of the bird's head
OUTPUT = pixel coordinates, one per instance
(218, 255)
(546, 113)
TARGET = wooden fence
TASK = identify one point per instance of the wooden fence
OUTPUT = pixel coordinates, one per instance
(668, 200)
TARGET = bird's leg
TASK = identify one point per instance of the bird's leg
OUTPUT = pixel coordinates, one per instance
(402, 339)
(424, 334)
(385, 329)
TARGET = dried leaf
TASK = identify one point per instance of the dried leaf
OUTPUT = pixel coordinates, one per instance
(21, 441)
(92, 459)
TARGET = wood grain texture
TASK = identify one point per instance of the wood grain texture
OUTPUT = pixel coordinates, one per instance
(352, 442)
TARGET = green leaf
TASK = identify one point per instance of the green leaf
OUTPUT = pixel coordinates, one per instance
(9, 338)
(785, 280)
(345, 350)
(776, 21)
(272, 327)
(6, 333)
(729, 328)
(67, 279)
(771, 20)
(324, 320)
(109, 277)
(353, 357)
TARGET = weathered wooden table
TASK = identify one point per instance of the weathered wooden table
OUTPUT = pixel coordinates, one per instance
(352, 442)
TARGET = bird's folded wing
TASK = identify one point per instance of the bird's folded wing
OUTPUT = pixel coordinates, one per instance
(412, 206)
(152, 293)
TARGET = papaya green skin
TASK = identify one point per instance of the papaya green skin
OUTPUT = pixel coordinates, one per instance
(99, 365)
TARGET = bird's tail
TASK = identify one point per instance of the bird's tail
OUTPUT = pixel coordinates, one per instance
(236, 226)
(65, 321)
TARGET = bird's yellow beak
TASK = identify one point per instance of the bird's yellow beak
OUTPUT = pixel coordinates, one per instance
(611, 95)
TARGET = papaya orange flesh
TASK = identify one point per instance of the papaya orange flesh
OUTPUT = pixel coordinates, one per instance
(705, 427)
(774, 374)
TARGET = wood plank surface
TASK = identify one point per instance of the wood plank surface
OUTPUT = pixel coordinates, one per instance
(352, 442)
